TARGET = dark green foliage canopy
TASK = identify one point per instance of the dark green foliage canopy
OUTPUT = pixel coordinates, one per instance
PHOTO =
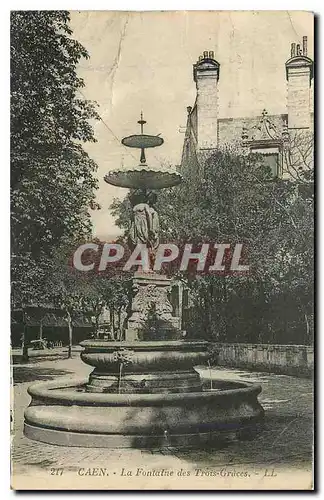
(52, 176)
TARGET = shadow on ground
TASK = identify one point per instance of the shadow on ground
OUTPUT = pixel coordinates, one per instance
(282, 441)
(33, 373)
(286, 436)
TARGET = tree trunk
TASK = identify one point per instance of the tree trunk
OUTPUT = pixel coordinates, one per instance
(41, 330)
(307, 328)
(96, 326)
(112, 321)
(69, 322)
(24, 340)
(118, 319)
(180, 304)
(225, 308)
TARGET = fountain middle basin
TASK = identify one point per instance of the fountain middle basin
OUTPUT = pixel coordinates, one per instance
(174, 407)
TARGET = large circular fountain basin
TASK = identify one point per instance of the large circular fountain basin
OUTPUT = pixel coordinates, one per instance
(62, 413)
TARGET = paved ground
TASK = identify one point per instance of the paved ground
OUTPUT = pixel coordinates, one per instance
(55, 352)
(279, 457)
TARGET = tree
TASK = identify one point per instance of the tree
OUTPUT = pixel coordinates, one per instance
(74, 291)
(66, 290)
(299, 155)
(52, 176)
(110, 288)
(275, 221)
(27, 288)
(102, 291)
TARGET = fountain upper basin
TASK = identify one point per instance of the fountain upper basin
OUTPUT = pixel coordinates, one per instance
(147, 366)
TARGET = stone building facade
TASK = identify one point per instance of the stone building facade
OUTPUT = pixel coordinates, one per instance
(285, 140)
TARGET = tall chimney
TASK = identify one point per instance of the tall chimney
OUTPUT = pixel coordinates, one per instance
(293, 50)
(305, 46)
(299, 72)
(206, 76)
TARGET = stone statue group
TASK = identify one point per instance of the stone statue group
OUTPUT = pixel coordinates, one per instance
(145, 221)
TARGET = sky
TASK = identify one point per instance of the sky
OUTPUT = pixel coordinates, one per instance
(143, 61)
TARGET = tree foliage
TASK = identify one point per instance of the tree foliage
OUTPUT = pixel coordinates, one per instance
(52, 176)
(75, 291)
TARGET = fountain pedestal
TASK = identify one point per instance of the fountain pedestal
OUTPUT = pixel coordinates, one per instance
(151, 292)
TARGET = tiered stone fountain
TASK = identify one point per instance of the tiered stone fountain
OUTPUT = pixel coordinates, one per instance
(144, 390)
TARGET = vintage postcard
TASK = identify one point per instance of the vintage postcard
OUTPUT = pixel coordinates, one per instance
(162, 268)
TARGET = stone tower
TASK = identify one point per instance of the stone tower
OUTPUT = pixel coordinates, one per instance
(206, 76)
(299, 72)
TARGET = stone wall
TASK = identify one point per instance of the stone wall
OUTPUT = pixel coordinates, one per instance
(295, 360)
(230, 129)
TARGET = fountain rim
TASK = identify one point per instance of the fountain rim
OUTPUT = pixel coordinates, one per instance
(148, 141)
(143, 344)
(46, 390)
(128, 178)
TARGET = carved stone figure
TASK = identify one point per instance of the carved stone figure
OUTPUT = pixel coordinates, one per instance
(149, 291)
(145, 223)
(154, 225)
(145, 295)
